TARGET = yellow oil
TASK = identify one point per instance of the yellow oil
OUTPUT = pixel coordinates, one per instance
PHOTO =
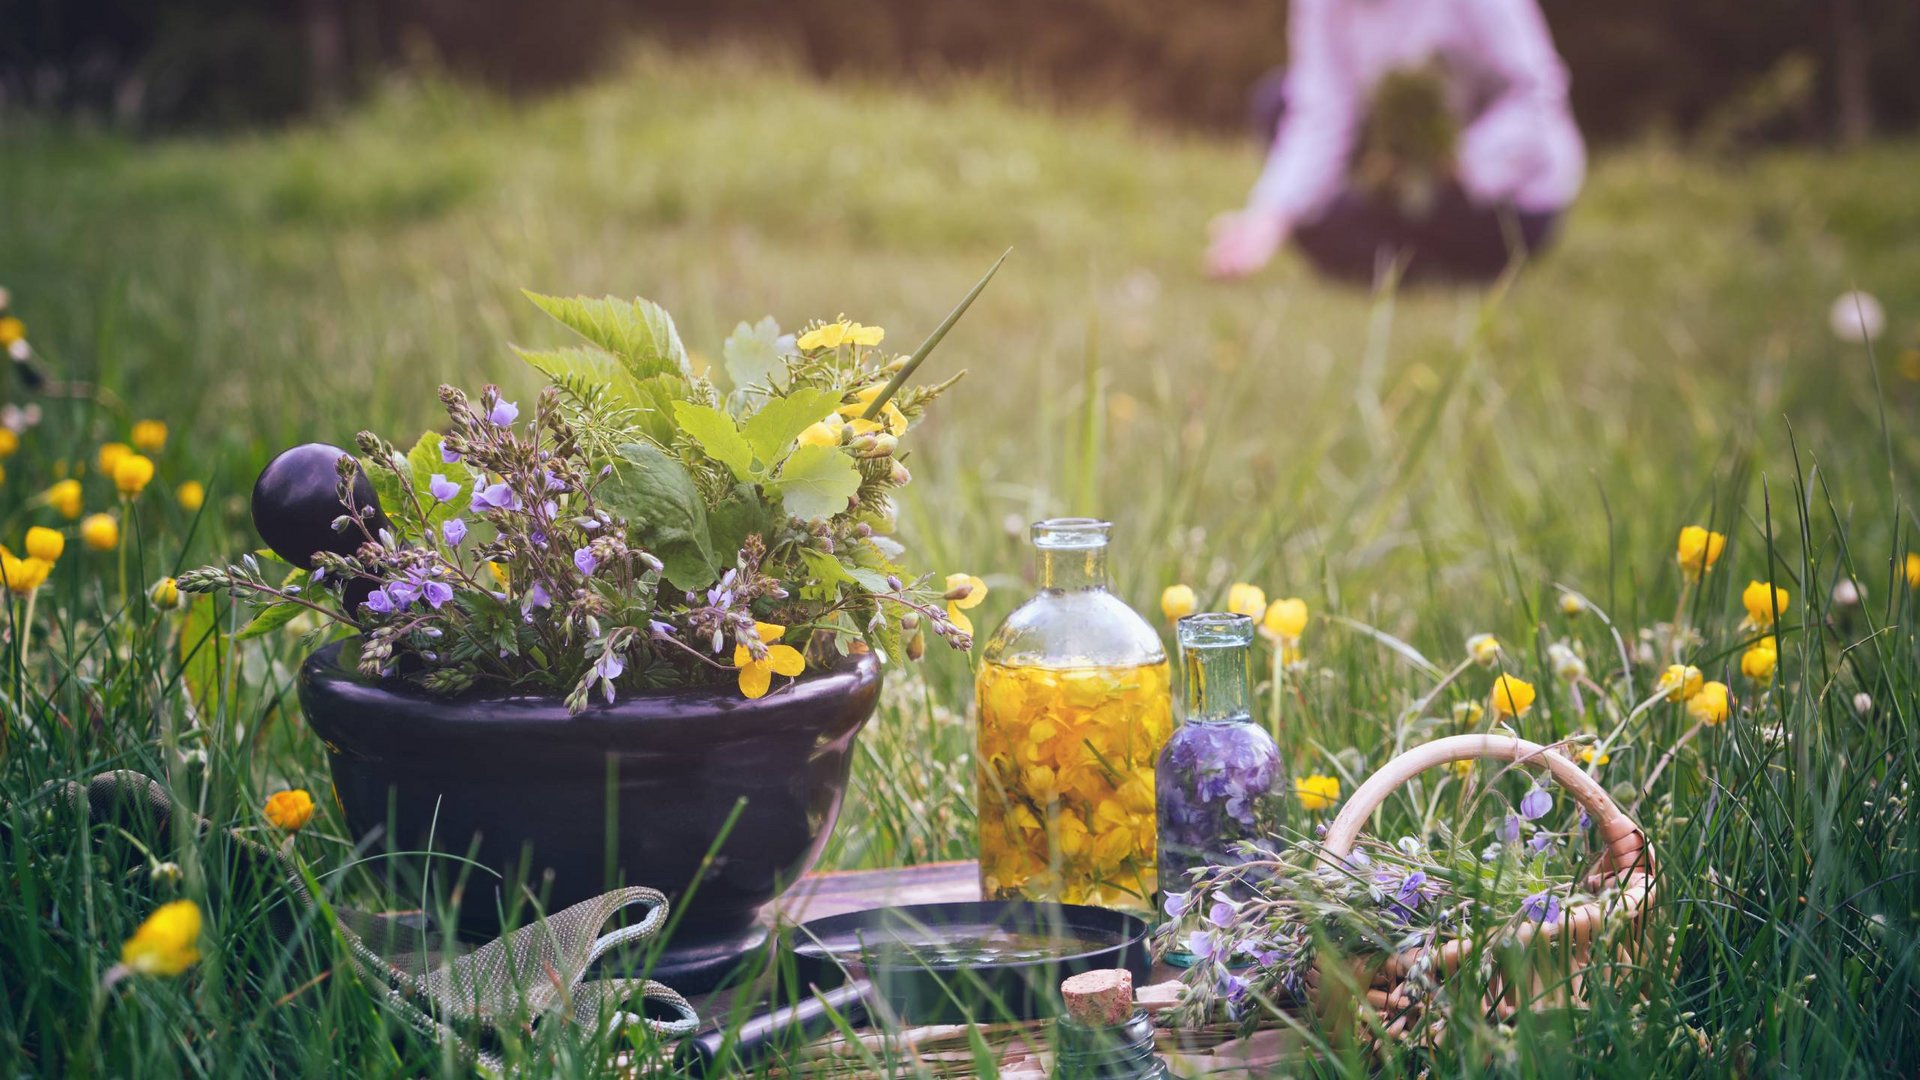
(1065, 773)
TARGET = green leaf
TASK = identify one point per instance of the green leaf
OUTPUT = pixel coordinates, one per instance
(656, 398)
(743, 515)
(425, 462)
(582, 365)
(202, 649)
(772, 430)
(664, 513)
(906, 371)
(816, 482)
(715, 433)
(638, 331)
(752, 354)
(269, 619)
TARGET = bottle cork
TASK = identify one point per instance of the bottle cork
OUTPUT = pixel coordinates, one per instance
(1099, 998)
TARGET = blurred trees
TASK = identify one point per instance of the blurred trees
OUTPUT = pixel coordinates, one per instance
(1728, 70)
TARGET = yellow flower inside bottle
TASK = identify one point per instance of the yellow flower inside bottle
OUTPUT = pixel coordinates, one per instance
(1075, 703)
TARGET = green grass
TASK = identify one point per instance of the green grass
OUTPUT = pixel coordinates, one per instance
(1429, 464)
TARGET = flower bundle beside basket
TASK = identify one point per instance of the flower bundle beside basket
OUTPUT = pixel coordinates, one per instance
(1348, 918)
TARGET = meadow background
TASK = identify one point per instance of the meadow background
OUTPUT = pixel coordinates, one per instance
(1430, 464)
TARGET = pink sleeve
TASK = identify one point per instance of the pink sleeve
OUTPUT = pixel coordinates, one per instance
(1310, 149)
(1525, 145)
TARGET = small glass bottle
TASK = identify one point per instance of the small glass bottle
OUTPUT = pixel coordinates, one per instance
(1219, 775)
(1075, 703)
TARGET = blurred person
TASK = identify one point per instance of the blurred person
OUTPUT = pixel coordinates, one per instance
(1434, 132)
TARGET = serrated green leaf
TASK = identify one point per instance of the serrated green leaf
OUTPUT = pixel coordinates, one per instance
(716, 434)
(586, 365)
(639, 332)
(664, 513)
(772, 430)
(731, 522)
(816, 482)
(269, 619)
(425, 462)
(752, 354)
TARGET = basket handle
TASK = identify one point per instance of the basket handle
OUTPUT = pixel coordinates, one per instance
(1626, 845)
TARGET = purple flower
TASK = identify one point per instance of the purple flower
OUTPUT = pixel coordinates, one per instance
(1535, 804)
(454, 531)
(1222, 914)
(495, 496)
(1200, 944)
(436, 593)
(583, 558)
(449, 455)
(404, 593)
(1269, 957)
(1176, 904)
(1542, 906)
(1541, 843)
(1233, 987)
(1585, 821)
(609, 668)
(537, 597)
(379, 602)
(442, 488)
(660, 629)
(1509, 830)
(554, 483)
(504, 413)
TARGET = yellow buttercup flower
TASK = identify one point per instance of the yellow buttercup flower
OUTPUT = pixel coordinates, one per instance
(1762, 600)
(9, 442)
(976, 592)
(11, 330)
(64, 497)
(1177, 602)
(1317, 792)
(191, 496)
(841, 332)
(1680, 682)
(165, 594)
(1483, 649)
(1588, 755)
(1758, 663)
(499, 574)
(756, 676)
(1698, 549)
(1248, 600)
(109, 456)
(1286, 619)
(1710, 706)
(827, 432)
(289, 810)
(168, 943)
(100, 532)
(1511, 696)
(45, 543)
(891, 420)
(1572, 605)
(132, 473)
(1913, 571)
(22, 576)
(150, 436)
(1468, 713)
(1462, 768)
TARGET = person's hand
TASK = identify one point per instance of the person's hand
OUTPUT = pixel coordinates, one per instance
(1244, 241)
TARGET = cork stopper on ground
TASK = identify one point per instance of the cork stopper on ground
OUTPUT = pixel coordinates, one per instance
(1099, 998)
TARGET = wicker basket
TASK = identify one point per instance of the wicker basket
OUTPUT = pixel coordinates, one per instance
(1563, 951)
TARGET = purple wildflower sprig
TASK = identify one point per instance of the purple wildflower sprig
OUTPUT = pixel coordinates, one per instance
(1254, 927)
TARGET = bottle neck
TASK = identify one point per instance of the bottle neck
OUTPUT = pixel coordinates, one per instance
(1219, 682)
(1070, 569)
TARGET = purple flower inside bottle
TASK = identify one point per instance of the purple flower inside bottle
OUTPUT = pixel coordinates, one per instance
(1219, 775)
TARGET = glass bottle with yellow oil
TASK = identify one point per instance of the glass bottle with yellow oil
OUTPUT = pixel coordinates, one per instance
(1075, 703)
